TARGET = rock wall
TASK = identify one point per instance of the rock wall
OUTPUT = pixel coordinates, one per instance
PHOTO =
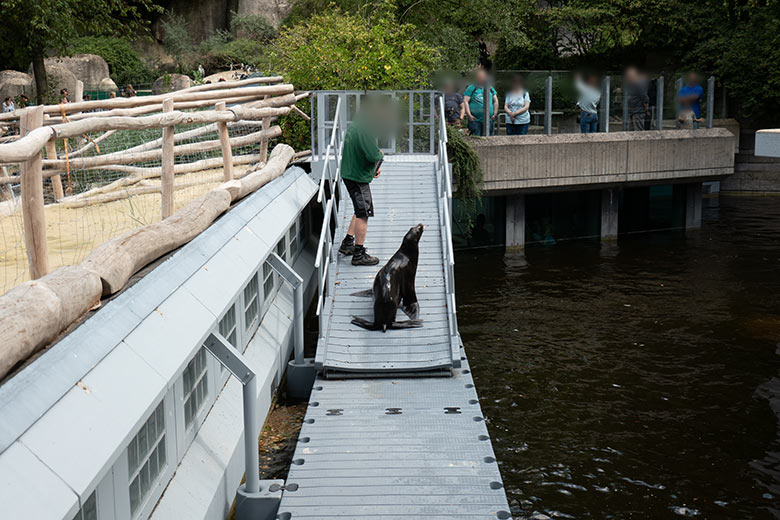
(14, 83)
(209, 15)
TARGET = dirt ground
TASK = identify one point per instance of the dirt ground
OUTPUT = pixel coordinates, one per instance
(72, 233)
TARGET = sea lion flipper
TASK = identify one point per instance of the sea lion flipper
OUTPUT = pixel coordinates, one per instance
(413, 310)
(407, 324)
(364, 294)
(362, 322)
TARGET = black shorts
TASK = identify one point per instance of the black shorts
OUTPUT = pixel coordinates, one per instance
(360, 193)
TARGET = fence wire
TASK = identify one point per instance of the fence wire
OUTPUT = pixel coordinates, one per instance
(105, 201)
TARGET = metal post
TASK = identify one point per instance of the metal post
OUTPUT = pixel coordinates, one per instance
(312, 125)
(625, 106)
(291, 277)
(724, 106)
(487, 99)
(548, 105)
(604, 118)
(710, 101)
(234, 362)
(411, 122)
(659, 102)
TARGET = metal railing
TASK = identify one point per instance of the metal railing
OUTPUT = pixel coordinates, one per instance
(444, 181)
(327, 196)
(415, 134)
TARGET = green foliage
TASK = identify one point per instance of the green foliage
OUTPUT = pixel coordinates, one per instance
(296, 131)
(458, 50)
(240, 50)
(340, 50)
(466, 173)
(178, 40)
(252, 27)
(124, 64)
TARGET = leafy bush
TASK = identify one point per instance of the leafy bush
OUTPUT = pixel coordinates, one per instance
(340, 50)
(221, 56)
(124, 64)
(253, 27)
(178, 40)
(466, 174)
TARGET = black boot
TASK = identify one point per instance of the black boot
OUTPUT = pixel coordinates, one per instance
(347, 246)
(361, 257)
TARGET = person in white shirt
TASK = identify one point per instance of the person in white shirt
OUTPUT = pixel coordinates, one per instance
(517, 106)
(8, 105)
(589, 96)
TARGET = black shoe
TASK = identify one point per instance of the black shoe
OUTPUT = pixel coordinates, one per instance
(361, 257)
(347, 247)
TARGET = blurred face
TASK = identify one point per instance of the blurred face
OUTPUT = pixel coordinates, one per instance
(517, 84)
(480, 76)
(692, 79)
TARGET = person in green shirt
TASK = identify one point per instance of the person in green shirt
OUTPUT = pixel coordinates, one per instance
(360, 164)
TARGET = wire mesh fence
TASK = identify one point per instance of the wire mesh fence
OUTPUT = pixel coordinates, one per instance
(99, 185)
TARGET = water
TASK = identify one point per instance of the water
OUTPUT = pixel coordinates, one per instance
(634, 380)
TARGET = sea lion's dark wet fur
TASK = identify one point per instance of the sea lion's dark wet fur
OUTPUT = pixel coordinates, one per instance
(394, 287)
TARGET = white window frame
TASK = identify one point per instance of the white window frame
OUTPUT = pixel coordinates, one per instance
(172, 457)
(250, 328)
(216, 378)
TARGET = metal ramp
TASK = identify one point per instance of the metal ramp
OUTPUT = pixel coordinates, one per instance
(375, 442)
(404, 195)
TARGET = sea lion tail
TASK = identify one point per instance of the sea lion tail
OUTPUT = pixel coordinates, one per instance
(406, 324)
(364, 294)
(361, 322)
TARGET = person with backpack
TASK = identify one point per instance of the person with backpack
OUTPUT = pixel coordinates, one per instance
(473, 99)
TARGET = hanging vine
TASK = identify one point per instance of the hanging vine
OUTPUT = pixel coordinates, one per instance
(466, 174)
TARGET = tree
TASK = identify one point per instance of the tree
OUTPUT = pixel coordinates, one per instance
(341, 50)
(35, 27)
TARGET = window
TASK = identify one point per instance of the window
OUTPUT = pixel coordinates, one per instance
(251, 302)
(293, 238)
(302, 230)
(146, 458)
(89, 510)
(281, 248)
(195, 387)
(227, 326)
(268, 281)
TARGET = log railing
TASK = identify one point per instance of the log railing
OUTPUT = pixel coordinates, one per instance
(42, 151)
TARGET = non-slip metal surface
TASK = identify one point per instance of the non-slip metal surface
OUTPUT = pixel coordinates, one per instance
(393, 449)
(404, 196)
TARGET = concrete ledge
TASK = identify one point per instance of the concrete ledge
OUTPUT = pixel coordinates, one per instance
(564, 161)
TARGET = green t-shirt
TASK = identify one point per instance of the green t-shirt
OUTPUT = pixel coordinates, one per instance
(360, 154)
(476, 103)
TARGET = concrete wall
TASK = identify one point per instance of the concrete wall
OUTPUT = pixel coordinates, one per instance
(577, 161)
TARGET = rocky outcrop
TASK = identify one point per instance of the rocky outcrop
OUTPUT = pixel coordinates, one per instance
(58, 78)
(90, 69)
(14, 83)
(207, 16)
(275, 11)
(171, 82)
(107, 85)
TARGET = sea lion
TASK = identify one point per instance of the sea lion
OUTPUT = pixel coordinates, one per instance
(394, 285)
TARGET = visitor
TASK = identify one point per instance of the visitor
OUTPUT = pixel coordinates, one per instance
(687, 118)
(635, 89)
(690, 95)
(454, 108)
(129, 91)
(484, 55)
(87, 97)
(24, 101)
(8, 104)
(652, 96)
(517, 105)
(474, 104)
(64, 99)
(112, 95)
(589, 91)
(361, 161)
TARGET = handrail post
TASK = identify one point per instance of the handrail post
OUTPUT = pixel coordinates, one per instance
(710, 101)
(56, 180)
(290, 276)
(33, 213)
(224, 143)
(548, 105)
(659, 102)
(166, 174)
(604, 119)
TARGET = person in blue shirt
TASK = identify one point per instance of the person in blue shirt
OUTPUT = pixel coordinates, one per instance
(473, 99)
(691, 95)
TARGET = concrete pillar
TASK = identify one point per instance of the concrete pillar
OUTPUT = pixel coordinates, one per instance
(609, 214)
(693, 205)
(515, 221)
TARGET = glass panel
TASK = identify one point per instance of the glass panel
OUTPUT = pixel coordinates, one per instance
(281, 248)
(227, 326)
(251, 302)
(144, 462)
(194, 388)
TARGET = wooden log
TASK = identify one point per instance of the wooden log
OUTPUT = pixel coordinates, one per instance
(6, 193)
(137, 101)
(81, 163)
(264, 142)
(34, 313)
(92, 143)
(301, 113)
(56, 180)
(118, 259)
(233, 84)
(166, 186)
(24, 148)
(277, 163)
(32, 201)
(190, 134)
(224, 141)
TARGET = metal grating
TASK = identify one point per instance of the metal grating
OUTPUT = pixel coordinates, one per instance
(394, 449)
(405, 195)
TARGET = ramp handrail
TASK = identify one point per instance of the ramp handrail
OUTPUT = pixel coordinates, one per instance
(445, 202)
(332, 173)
